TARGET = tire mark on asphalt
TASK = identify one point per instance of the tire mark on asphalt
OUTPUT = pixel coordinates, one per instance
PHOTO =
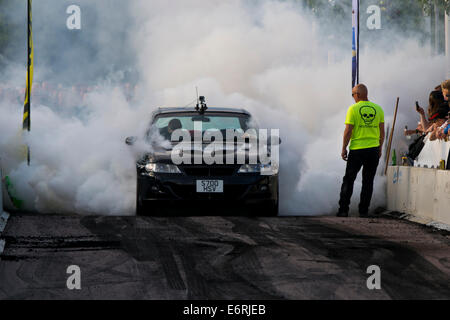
(405, 274)
(31, 247)
(210, 277)
(271, 241)
(168, 263)
(222, 264)
(143, 245)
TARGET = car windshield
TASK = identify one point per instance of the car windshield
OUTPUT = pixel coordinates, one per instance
(217, 121)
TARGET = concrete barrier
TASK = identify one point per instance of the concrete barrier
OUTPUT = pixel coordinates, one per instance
(421, 193)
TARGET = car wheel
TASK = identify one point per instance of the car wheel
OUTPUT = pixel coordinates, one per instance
(267, 209)
(274, 209)
(275, 205)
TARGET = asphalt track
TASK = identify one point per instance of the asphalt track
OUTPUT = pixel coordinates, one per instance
(222, 258)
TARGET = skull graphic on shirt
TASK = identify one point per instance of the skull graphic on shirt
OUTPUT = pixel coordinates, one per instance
(368, 114)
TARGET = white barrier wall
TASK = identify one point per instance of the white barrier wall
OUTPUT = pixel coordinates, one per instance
(421, 192)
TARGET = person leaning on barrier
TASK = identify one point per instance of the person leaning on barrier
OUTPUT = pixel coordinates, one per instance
(446, 130)
(364, 130)
(440, 122)
(441, 132)
(435, 102)
(439, 116)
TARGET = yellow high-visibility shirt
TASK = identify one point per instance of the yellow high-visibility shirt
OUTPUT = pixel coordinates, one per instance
(365, 116)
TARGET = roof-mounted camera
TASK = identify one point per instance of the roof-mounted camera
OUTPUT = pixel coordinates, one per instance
(201, 106)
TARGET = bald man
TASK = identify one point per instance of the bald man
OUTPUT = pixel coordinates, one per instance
(364, 130)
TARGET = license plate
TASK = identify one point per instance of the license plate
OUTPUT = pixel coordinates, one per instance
(210, 186)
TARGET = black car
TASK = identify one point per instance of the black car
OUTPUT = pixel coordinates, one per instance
(162, 184)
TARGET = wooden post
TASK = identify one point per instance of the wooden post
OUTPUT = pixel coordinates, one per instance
(391, 136)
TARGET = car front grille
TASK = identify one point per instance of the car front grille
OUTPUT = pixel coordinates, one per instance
(209, 170)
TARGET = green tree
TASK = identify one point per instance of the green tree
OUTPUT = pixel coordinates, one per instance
(427, 5)
(4, 34)
(405, 17)
(10, 29)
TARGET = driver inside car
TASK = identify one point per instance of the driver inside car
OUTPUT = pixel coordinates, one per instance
(173, 125)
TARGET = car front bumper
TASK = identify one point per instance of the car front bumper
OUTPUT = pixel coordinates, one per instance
(248, 188)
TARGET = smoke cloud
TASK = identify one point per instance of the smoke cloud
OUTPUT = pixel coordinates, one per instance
(273, 58)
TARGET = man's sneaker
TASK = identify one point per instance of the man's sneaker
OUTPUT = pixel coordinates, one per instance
(342, 214)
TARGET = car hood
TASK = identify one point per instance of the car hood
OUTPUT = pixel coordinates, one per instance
(238, 150)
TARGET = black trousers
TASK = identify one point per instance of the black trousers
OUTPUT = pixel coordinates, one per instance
(368, 159)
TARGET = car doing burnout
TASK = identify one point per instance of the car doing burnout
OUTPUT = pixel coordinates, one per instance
(161, 183)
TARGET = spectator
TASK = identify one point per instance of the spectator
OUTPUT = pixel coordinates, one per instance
(438, 124)
(446, 130)
(446, 89)
(418, 131)
(435, 101)
(429, 127)
(441, 127)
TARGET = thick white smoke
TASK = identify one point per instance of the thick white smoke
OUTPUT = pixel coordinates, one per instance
(269, 57)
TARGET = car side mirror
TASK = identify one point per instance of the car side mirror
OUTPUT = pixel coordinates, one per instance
(130, 140)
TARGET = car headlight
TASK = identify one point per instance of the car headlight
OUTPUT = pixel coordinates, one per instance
(250, 168)
(264, 169)
(161, 168)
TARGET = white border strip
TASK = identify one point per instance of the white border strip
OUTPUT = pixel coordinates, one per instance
(420, 220)
(439, 225)
(2, 247)
(3, 220)
(3, 215)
